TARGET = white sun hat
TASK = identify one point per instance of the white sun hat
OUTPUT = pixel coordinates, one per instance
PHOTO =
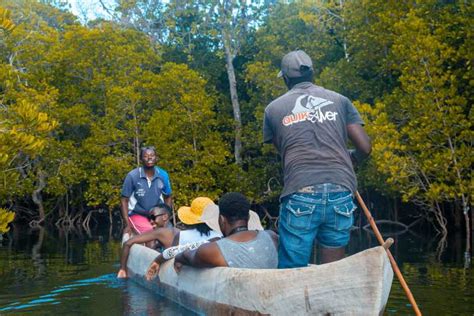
(210, 216)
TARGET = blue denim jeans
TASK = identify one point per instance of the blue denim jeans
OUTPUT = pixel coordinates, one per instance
(305, 217)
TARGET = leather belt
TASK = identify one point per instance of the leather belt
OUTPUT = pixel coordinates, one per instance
(323, 187)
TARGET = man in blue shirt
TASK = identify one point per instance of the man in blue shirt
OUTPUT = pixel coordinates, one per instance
(144, 188)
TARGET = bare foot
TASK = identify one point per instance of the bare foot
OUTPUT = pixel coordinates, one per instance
(122, 274)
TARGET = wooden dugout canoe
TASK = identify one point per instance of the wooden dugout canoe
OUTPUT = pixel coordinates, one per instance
(357, 285)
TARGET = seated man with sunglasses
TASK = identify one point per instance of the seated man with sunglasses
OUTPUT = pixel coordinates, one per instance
(162, 234)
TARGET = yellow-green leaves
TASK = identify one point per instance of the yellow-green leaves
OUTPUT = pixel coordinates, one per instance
(6, 23)
(77, 102)
(185, 131)
(6, 217)
(422, 134)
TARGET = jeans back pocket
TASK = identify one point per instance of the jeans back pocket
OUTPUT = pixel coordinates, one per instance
(344, 215)
(300, 212)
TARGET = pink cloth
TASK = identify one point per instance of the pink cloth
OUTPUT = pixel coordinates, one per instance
(140, 224)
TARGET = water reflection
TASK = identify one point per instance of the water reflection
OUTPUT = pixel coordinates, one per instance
(46, 272)
(139, 301)
(72, 271)
(36, 252)
(441, 284)
(130, 299)
(57, 294)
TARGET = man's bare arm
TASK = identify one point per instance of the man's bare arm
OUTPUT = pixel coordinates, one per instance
(206, 256)
(124, 208)
(168, 199)
(163, 235)
(166, 236)
(360, 140)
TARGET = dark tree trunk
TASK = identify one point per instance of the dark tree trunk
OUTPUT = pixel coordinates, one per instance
(395, 209)
(457, 214)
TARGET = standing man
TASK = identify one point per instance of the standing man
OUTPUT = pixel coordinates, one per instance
(143, 189)
(309, 127)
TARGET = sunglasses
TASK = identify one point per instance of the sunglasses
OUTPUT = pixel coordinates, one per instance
(152, 217)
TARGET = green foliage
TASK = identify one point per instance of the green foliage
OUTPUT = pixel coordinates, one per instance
(106, 93)
(76, 102)
(184, 129)
(6, 217)
(26, 132)
(422, 132)
(6, 24)
(63, 90)
(412, 58)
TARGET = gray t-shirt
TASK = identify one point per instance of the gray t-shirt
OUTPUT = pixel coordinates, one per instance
(258, 253)
(308, 127)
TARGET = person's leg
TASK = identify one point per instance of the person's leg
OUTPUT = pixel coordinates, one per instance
(297, 230)
(334, 233)
(331, 254)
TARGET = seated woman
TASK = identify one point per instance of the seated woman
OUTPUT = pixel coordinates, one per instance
(245, 244)
(196, 231)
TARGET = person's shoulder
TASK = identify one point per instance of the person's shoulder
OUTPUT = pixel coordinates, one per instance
(189, 231)
(332, 94)
(278, 101)
(272, 234)
(162, 171)
(135, 173)
(166, 230)
(208, 249)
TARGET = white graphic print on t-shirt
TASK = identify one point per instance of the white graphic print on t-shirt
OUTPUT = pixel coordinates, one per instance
(309, 108)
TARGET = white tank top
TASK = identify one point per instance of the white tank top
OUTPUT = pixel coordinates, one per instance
(193, 235)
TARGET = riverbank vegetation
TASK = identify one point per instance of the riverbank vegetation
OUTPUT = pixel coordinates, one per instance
(192, 78)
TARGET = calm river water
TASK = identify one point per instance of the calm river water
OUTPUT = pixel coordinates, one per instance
(46, 272)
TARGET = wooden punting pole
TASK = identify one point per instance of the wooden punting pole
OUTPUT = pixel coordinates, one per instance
(392, 260)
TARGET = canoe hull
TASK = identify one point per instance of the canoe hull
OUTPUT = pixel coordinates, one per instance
(358, 285)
